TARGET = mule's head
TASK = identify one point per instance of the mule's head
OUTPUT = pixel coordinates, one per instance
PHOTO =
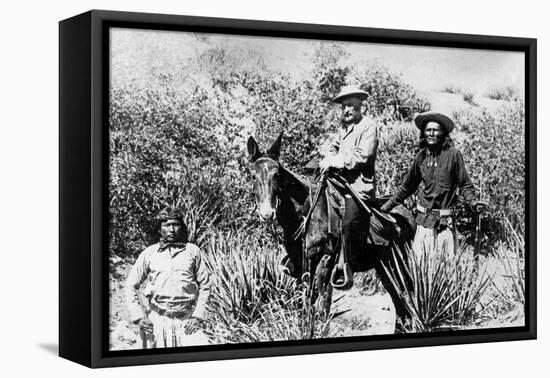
(265, 171)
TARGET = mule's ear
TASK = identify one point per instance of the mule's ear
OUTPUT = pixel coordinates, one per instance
(275, 149)
(253, 149)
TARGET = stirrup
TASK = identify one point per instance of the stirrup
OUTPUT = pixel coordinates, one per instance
(341, 278)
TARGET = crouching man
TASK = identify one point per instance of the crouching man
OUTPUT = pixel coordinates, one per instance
(171, 309)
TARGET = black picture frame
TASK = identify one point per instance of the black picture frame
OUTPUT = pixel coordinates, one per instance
(83, 180)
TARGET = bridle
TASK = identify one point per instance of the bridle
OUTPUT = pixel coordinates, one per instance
(300, 230)
(277, 192)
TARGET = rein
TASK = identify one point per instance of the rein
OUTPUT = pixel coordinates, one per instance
(303, 227)
(300, 231)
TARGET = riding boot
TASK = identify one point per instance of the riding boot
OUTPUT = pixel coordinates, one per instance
(352, 237)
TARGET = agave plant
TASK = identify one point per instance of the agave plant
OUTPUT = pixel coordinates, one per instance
(439, 290)
(247, 276)
(252, 300)
(294, 318)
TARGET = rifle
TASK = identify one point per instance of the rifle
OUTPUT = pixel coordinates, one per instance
(477, 247)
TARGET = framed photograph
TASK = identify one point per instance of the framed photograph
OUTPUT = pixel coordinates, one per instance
(234, 188)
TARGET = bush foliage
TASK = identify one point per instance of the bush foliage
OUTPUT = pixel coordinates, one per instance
(182, 140)
(174, 143)
(507, 93)
(493, 145)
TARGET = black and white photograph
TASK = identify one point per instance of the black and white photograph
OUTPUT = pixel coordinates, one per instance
(265, 189)
(271, 189)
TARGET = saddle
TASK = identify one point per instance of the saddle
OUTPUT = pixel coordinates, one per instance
(382, 227)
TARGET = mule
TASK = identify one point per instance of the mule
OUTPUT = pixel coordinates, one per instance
(284, 196)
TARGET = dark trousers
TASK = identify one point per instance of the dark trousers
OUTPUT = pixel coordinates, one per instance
(355, 225)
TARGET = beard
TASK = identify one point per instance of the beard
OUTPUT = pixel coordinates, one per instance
(347, 120)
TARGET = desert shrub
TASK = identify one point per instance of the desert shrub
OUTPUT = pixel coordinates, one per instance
(179, 138)
(468, 97)
(398, 145)
(276, 105)
(494, 154)
(164, 149)
(451, 89)
(390, 98)
(507, 93)
(329, 72)
(185, 137)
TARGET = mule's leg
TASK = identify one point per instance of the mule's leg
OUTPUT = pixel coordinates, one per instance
(322, 285)
(397, 297)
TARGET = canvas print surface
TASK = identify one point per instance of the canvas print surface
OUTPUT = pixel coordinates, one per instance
(271, 189)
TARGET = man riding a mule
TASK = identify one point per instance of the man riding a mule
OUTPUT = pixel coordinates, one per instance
(313, 215)
(352, 157)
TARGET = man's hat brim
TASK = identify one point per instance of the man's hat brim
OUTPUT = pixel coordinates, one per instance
(423, 118)
(350, 92)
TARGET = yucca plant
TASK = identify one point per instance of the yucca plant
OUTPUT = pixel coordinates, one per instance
(439, 291)
(513, 260)
(247, 276)
(251, 299)
(291, 318)
(298, 321)
(472, 281)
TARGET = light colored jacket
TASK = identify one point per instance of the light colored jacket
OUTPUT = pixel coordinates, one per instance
(176, 280)
(356, 147)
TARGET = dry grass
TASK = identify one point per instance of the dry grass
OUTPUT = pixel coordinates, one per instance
(511, 291)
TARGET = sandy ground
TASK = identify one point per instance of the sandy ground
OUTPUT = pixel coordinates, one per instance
(366, 314)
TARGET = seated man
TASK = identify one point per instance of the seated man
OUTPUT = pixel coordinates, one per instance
(353, 152)
(177, 290)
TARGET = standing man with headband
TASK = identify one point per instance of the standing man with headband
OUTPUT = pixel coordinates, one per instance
(177, 286)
